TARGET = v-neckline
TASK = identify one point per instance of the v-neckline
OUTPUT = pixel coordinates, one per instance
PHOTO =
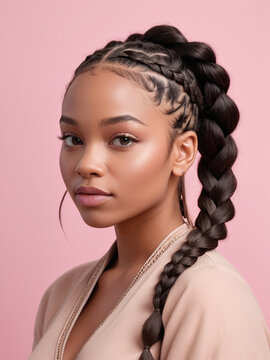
(99, 269)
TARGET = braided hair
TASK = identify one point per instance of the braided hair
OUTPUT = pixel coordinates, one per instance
(186, 74)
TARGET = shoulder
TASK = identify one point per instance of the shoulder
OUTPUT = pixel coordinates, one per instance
(63, 284)
(212, 300)
(55, 294)
(213, 283)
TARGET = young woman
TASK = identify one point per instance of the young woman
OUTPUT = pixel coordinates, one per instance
(133, 117)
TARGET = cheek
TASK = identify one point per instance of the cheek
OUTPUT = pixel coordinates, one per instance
(66, 167)
(146, 174)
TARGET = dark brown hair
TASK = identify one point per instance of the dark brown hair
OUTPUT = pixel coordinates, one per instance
(164, 63)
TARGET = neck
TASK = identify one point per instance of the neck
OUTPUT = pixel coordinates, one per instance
(136, 241)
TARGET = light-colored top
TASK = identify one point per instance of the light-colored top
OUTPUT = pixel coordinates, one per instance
(210, 313)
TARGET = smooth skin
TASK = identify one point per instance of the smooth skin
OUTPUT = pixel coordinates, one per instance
(144, 207)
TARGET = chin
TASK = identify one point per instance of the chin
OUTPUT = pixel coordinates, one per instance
(97, 221)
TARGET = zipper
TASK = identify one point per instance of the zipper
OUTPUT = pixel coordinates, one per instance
(151, 260)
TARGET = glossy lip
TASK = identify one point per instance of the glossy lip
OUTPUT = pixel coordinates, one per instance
(91, 190)
(92, 200)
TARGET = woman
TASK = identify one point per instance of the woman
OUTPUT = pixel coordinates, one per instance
(133, 117)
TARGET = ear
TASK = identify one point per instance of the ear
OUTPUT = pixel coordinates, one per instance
(185, 149)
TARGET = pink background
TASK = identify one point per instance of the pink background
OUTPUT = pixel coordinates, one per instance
(42, 42)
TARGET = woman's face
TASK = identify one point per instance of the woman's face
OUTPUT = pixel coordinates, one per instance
(135, 170)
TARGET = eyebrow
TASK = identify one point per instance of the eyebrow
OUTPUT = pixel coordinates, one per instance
(103, 122)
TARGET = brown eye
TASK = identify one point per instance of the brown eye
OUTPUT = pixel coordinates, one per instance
(70, 140)
(125, 140)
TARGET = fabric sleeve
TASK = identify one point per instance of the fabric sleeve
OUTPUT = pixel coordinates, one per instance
(211, 314)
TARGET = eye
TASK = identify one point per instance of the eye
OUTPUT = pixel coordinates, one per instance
(125, 139)
(73, 139)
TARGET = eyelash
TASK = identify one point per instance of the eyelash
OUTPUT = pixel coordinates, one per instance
(122, 135)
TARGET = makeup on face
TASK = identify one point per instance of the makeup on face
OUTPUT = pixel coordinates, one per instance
(122, 131)
(115, 141)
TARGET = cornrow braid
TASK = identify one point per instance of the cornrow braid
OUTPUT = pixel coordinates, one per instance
(173, 70)
(162, 61)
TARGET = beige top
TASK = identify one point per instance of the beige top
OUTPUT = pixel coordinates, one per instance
(210, 314)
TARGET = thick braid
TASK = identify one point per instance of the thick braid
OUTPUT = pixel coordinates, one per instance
(219, 117)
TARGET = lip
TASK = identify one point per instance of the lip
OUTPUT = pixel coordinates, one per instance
(91, 190)
(92, 200)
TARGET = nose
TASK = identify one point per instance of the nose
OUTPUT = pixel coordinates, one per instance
(90, 163)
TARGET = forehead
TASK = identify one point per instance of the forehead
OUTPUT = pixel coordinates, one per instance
(103, 93)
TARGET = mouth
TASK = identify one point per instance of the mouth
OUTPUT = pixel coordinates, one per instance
(92, 199)
(91, 190)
